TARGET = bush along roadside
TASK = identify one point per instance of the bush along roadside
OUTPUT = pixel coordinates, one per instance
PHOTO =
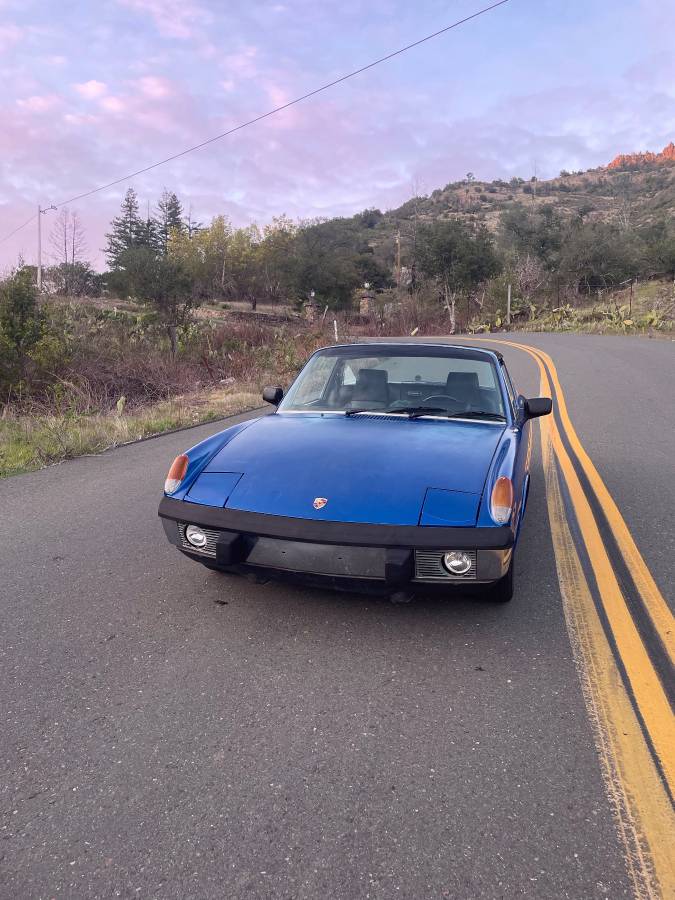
(76, 378)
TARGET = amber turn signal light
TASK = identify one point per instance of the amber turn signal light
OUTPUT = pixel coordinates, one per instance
(501, 503)
(176, 474)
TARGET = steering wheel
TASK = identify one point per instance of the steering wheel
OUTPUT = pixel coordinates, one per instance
(444, 398)
(441, 397)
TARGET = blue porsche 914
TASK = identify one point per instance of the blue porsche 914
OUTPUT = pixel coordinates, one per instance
(392, 467)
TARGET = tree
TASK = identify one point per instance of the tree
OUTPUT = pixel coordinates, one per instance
(163, 281)
(204, 257)
(276, 259)
(67, 238)
(242, 270)
(20, 317)
(68, 248)
(369, 218)
(168, 219)
(370, 270)
(192, 227)
(27, 347)
(148, 234)
(325, 256)
(72, 280)
(532, 232)
(597, 255)
(126, 230)
(456, 258)
(662, 252)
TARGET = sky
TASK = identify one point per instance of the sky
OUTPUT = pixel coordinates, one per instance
(93, 91)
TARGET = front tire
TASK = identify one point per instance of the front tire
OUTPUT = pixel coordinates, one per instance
(502, 591)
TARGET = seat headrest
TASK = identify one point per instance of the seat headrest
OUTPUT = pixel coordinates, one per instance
(462, 380)
(371, 378)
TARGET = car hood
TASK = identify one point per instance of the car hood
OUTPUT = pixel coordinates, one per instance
(368, 469)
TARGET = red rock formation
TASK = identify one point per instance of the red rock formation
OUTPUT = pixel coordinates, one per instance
(668, 153)
(631, 160)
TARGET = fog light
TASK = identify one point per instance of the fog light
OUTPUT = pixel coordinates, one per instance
(456, 562)
(195, 536)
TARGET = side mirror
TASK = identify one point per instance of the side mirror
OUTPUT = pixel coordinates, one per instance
(273, 395)
(538, 406)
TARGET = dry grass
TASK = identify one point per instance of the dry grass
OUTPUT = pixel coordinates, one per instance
(29, 442)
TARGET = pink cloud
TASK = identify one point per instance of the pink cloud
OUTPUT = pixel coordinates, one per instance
(9, 36)
(79, 119)
(173, 18)
(154, 87)
(91, 89)
(113, 104)
(243, 63)
(39, 103)
(279, 96)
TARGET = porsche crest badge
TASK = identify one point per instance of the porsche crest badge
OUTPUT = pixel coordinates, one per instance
(320, 502)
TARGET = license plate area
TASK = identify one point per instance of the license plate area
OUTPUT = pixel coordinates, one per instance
(318, 559)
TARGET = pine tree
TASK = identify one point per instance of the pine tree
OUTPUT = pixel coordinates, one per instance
(126, 230)
(191, 226)
(149, 236)
(169, 218)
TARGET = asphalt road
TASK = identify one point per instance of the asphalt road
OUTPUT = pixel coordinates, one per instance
(171, 732)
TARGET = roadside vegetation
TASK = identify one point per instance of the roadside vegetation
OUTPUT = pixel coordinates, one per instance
(190, 320)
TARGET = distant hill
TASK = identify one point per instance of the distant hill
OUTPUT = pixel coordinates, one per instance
(636, 189)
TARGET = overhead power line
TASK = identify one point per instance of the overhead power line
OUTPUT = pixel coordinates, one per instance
(272, 112)
(277, 109)
(18, 228)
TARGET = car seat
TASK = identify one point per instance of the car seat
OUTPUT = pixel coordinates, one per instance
(371, 389)
(464, 387)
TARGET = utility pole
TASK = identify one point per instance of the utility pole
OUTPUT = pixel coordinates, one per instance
(41, 213)
(398, 258)
(508, 306)
(39, 255)
(534, 183)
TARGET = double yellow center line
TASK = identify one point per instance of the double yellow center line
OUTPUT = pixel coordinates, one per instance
(623, 637)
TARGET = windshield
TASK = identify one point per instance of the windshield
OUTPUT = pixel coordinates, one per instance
(441, 380)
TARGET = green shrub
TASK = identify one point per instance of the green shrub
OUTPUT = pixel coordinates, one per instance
(30, 350)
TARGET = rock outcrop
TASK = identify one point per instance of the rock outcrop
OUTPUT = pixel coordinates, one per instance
(635, 160)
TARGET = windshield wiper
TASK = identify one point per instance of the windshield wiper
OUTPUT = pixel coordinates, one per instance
(414, 412)
(474, 414)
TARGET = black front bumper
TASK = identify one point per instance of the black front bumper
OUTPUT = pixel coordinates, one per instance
(336, 554)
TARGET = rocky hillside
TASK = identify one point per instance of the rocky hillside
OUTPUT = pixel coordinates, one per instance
(632, 191)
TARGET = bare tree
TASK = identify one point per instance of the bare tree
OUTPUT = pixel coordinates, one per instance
(530, 275)
(68, 248)
(78, 244)
(67, 238)
(59, 237)
(417, 196)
